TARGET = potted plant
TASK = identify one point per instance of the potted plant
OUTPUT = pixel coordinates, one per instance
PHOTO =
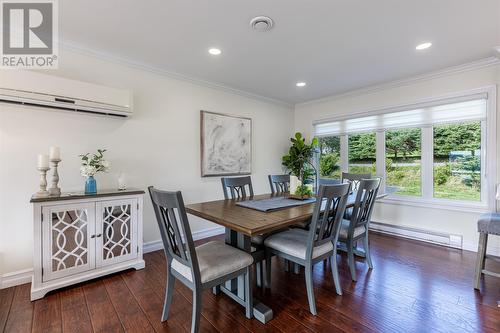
(298, 163)
(92, 164)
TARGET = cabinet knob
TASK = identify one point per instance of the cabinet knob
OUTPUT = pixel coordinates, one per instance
(93, 236)
(99, 235)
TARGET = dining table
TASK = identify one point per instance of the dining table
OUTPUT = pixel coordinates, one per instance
(243, 223)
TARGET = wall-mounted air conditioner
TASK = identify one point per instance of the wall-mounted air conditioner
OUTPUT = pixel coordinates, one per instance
(42, 90)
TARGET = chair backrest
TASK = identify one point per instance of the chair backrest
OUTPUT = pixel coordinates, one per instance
(236, 186)
(279, 183)
(329, 181)
(354, 179)
(327, 215)
(174, 228)
(365, 201)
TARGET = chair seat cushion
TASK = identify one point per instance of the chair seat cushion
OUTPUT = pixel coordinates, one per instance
(258, 240)
(294, 243)
(215, 259)
(489, 223)
(344, 230)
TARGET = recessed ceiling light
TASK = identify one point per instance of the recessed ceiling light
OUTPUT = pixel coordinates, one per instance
(214, 51)
(423, 46)
(300, 84)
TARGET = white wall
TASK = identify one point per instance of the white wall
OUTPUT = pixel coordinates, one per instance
(438, 220)
(159, 145)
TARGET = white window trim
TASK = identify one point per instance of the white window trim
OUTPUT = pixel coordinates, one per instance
(488, 156)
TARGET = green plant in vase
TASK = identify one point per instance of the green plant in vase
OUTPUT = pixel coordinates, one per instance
(298, 163)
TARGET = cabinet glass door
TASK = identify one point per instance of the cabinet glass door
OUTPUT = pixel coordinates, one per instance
(116, 229)
(68, 246)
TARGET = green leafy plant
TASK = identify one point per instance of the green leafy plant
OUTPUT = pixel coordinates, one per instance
(304, 191)
(93, 163)
(328, 164)
(298, 159)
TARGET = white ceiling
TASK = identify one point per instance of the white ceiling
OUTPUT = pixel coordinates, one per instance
(335, 46)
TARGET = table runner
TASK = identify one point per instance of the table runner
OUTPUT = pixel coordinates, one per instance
(270, 204)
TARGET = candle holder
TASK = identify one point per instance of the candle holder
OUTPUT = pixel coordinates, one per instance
(42, 193)
(54, 190)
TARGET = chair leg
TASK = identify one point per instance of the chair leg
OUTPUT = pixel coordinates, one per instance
(258, 272)
(368, 256)
(350, 260)
(216, 290)
(310, 289)
(195, 321)
(169, 293)
(268, 270)
(481, 255)
(296, 268)
(248, 295)
(335, 271)
(287, 266)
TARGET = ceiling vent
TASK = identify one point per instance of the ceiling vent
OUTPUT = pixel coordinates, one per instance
(261, 23)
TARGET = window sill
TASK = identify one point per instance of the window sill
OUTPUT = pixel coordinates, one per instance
(453, 205)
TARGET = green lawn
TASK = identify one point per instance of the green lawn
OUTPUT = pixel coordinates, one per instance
(407, 180)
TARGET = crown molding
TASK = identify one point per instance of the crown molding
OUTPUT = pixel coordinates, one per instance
(68, 46)
(467, 67)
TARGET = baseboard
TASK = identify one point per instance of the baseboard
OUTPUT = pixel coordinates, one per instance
(24, 276)
(444, 239)
(197, 235)
(16, 278)
(423, 235)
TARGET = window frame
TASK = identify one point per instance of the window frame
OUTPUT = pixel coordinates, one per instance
(488, 156)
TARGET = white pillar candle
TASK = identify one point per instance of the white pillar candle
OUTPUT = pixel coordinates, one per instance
(43, 161)
(55, 153)
(294, 181)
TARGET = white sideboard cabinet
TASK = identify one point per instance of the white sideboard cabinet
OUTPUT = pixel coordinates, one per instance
(79, 237)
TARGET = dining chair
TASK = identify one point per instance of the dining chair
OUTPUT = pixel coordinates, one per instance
(357, 227)
(354, 179)
(318, 243)
(279, 183)
(199, 268)
(235, 187)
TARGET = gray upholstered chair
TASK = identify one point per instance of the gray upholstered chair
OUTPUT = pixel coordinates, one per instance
(354, 179)
(488, 224)
(235, 187)
(279, 183)
(200, 268)
(318, 243)
(358, 226)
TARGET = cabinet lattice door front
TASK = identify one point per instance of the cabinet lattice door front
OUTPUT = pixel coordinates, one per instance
(116, 228)
(68, 245)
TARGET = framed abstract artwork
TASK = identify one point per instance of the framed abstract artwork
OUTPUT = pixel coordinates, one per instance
(226, 145)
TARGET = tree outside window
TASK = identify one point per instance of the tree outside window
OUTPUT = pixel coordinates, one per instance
(362, 153)
(403, 161)
(329, 161)
(457, 161)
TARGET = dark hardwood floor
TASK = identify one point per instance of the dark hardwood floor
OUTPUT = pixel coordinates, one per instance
(414, 287)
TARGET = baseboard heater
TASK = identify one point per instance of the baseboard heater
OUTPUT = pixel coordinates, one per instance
(434, 237)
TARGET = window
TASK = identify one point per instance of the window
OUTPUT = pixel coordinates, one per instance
(403, 155)
(438, 153)
(361, 150)
(329, 160)
(457, 161)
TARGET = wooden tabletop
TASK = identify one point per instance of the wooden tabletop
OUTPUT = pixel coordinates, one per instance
(252, 222)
